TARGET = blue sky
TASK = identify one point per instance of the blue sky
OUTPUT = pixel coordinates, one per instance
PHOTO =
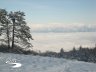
(47, 15)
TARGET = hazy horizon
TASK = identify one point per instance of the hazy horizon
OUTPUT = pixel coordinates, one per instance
(56, 41)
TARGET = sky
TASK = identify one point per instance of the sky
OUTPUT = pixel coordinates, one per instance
(57, 16)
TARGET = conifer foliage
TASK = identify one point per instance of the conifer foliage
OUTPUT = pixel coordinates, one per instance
(14, 29)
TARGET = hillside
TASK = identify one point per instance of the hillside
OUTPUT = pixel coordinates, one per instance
(31, 63)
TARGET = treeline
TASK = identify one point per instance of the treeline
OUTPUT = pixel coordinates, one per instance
(17, 50)
(81, 54)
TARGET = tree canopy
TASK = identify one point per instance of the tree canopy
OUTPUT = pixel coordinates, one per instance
(14, 29)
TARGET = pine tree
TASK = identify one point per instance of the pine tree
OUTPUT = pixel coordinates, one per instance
(20, 31)
(14, 27)
(5, 26)
(61, 52)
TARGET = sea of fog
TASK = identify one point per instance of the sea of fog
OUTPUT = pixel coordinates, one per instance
(56, 41)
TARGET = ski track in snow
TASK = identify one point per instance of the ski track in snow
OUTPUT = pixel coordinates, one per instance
(15, 65)
(42, 64)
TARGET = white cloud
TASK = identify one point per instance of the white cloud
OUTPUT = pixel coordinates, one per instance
(61, 27)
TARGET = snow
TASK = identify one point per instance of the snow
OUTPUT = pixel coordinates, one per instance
(16, 65)
(31, 63)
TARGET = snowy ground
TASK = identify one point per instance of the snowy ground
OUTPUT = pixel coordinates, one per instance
(42, 64)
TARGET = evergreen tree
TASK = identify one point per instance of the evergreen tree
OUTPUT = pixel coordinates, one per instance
(5, 26)
(14, 26)
(62, 52)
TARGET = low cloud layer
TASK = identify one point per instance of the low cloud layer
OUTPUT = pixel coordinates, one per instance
(56, 41)
(60, 27)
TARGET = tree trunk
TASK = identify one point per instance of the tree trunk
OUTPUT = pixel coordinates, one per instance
(8, 37)
(13, 34)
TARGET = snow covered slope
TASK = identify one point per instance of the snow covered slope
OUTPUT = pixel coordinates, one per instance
(31, 63)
